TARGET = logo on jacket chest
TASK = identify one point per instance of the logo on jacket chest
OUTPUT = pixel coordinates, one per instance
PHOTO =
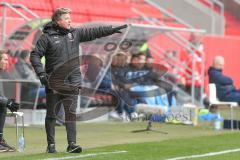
(70, 36)
(56, 40)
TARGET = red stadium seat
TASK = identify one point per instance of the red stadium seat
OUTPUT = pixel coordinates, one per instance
(90, 10)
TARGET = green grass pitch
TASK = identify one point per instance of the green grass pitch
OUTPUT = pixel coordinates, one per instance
(116, 141)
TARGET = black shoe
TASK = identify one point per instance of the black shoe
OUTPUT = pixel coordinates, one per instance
(4, 147)
(73, 148)
(51, 148)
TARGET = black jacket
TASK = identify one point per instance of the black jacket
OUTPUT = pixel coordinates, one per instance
(59, 45)
(223, 83)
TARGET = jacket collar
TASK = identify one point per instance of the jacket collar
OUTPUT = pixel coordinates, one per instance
(218, 70)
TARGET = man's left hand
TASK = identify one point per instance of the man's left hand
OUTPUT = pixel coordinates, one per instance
(12, 105)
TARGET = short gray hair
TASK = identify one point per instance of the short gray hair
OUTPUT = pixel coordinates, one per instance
(59, 12)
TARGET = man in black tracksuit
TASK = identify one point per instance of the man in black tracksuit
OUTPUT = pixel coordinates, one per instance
(59, 43)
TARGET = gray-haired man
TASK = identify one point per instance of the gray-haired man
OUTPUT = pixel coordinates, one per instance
(58, 43)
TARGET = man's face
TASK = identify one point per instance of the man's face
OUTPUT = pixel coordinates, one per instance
(220, 65)
(65, 21)
(142, 59)
(122, 60)
(139, 62)
(4, 62)
(218, 62)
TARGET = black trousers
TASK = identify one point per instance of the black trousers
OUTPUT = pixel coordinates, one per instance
(54, 102)
(3, 111)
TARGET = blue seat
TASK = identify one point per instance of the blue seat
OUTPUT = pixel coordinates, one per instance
(148, 94)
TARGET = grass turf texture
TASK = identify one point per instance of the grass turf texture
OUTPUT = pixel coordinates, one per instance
(108, 137)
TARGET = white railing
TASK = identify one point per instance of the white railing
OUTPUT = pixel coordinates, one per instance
(219, 4)
(237, 1)
(16, 9)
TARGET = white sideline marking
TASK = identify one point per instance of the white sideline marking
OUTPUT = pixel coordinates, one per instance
(86, 155)
(206, 154)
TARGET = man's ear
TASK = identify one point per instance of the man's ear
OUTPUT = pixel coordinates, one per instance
(57, 23)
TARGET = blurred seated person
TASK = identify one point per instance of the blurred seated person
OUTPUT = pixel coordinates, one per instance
(118, 69)
(96, 64)
(24, 71)
(7, 88)
(4, 104)
(140, 83)
(224, 84)
(144, 82)
(24, 67)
